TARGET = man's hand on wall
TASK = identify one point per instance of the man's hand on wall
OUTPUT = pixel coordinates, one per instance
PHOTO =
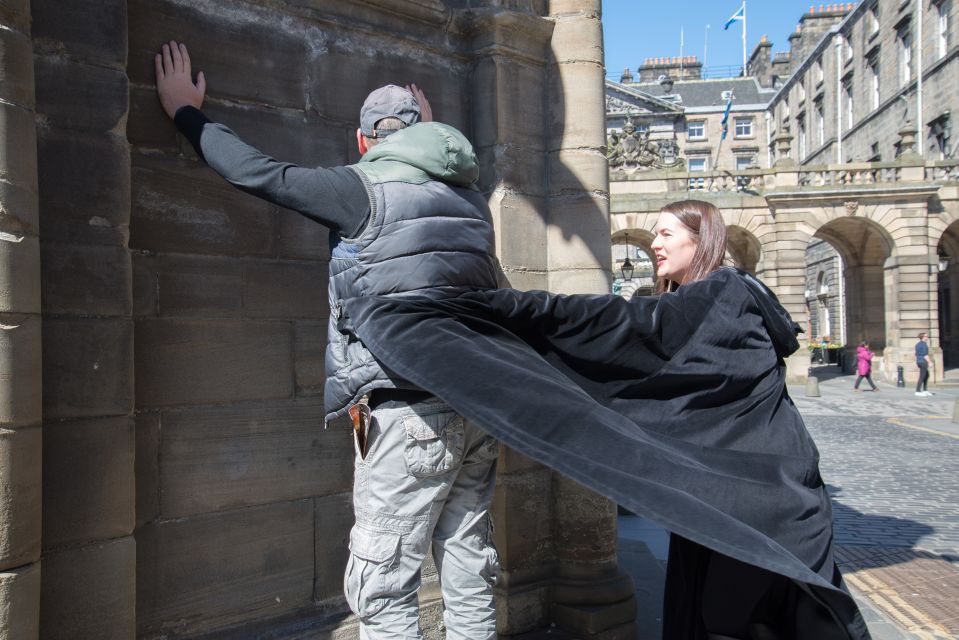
(426, 113)
(175, 79)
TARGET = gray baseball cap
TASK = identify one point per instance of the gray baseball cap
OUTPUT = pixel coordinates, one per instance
(385, 102)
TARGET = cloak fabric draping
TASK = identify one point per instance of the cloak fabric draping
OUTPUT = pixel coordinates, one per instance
(673, 406)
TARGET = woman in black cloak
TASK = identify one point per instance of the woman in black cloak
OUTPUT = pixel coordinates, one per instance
(674, 406)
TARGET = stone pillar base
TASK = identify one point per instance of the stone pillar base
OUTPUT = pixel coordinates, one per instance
(595, 608)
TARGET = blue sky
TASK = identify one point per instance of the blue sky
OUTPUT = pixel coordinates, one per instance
(638, 29)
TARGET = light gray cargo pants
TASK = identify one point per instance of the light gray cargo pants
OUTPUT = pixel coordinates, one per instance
(427, 476)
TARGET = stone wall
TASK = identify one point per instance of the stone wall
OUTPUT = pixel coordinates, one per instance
(186, 484)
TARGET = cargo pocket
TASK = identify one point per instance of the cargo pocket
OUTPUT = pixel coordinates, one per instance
(434, 442)
(371, 576)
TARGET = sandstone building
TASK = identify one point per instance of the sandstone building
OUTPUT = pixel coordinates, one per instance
(854, 147)
(164, 472)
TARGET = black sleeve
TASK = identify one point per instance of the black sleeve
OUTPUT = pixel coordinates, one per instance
(336, 198)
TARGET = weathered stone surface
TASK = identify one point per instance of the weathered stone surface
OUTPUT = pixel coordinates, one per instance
(95, 33)
(579, 84)
(181, 206)
(148, 126)
(17, 132)
(91, 280)
(20, 487)
(309, 349)
(16, 52)
(20, 595)
(20, 369)
(333, 521)
(216, 459)
(88, 481)
(302, 238)
(87, 367)
(521, 519)
(197, 361)
(20, 215)
(578, 233)
(274, 51)
(522, 609)
(574, 171)
(20, 276)
(212, 571)
(80, 97)
(84, 187)
(191, 286)
(586, 523)
(147, 467)
(520, 230)
(578, 38)
(88, 593)
(502, 112)
(517, 169)
(285, 290)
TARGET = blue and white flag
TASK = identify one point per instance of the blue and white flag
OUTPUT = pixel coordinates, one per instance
(739, 15)
(725, 122)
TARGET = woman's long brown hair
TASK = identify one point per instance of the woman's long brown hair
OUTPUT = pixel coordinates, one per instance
(705, 223)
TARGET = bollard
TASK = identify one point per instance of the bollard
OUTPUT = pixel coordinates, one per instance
(812, 386)
(900, 380)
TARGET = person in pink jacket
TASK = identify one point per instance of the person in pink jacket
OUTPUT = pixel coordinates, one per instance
(864, 365)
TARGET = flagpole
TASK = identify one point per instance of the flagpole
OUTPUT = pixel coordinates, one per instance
(744, 38)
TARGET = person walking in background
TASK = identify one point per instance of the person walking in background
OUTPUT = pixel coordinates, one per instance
(922, 361)
(864, 365)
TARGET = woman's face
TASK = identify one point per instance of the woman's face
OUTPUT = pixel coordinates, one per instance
(674, 247)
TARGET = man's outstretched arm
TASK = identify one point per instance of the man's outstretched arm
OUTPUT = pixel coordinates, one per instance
(334, 197)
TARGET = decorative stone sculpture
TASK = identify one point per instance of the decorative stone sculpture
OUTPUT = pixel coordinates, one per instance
(631, 150)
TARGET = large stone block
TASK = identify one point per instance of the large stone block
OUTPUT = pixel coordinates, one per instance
(301, 238)
(87, 367)
(16, 52)
(520, 230)
(578, 171)
(20, 276)
(578, 38)
(585, 530)
(521, 518)
(20, 595)
(216, 459)
(147, 467)
(502, 110)
(191, 286)
(20, 486)
(88, 593)
(577, 96)
(513, 168)
(333, 521)
(442, 78)
(95, 33)
(579, 232)
(80, 97)
(309, 352)
(84, 187)
(86, 280)
(181, 206)
(15, 14)
(213, 571)
(580, 280)
(269, 68)
(199, 362)
(285, 290)
(17, 132)
(88, 481)
(148, 126)
(20, 370)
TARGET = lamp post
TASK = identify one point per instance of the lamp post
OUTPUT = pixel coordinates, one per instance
(627, 268)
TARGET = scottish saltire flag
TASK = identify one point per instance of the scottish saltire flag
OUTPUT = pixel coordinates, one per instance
(725, 122)
(739, 15)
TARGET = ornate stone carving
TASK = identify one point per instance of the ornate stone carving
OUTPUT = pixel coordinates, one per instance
(630, 150)
(851, 206)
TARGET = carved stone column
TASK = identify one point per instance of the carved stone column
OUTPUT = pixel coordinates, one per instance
(20, 356)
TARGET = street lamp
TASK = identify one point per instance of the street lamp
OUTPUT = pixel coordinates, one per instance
(627, 268)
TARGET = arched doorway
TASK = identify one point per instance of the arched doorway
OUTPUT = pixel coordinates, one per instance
(948, 292)
(846, 289)
(742, 248)
(634, 244)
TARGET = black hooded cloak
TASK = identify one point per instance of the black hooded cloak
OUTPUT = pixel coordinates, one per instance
(673, 406)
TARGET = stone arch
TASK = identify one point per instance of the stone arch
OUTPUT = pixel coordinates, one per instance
(947, 289)
(856, 298)
(743, 248)
(640, 254)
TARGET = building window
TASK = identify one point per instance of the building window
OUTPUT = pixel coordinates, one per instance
(696, 129)
(744, 127)
(904, 40)
(820, 124)
(873, 19)
(850, 111)
(818, 72)
(874, 155)
(801, 134)
(745, 162)
(698, 164)
(802, 92)
(874, 81)
(940, 130)
(942, 28)
(847, 52)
